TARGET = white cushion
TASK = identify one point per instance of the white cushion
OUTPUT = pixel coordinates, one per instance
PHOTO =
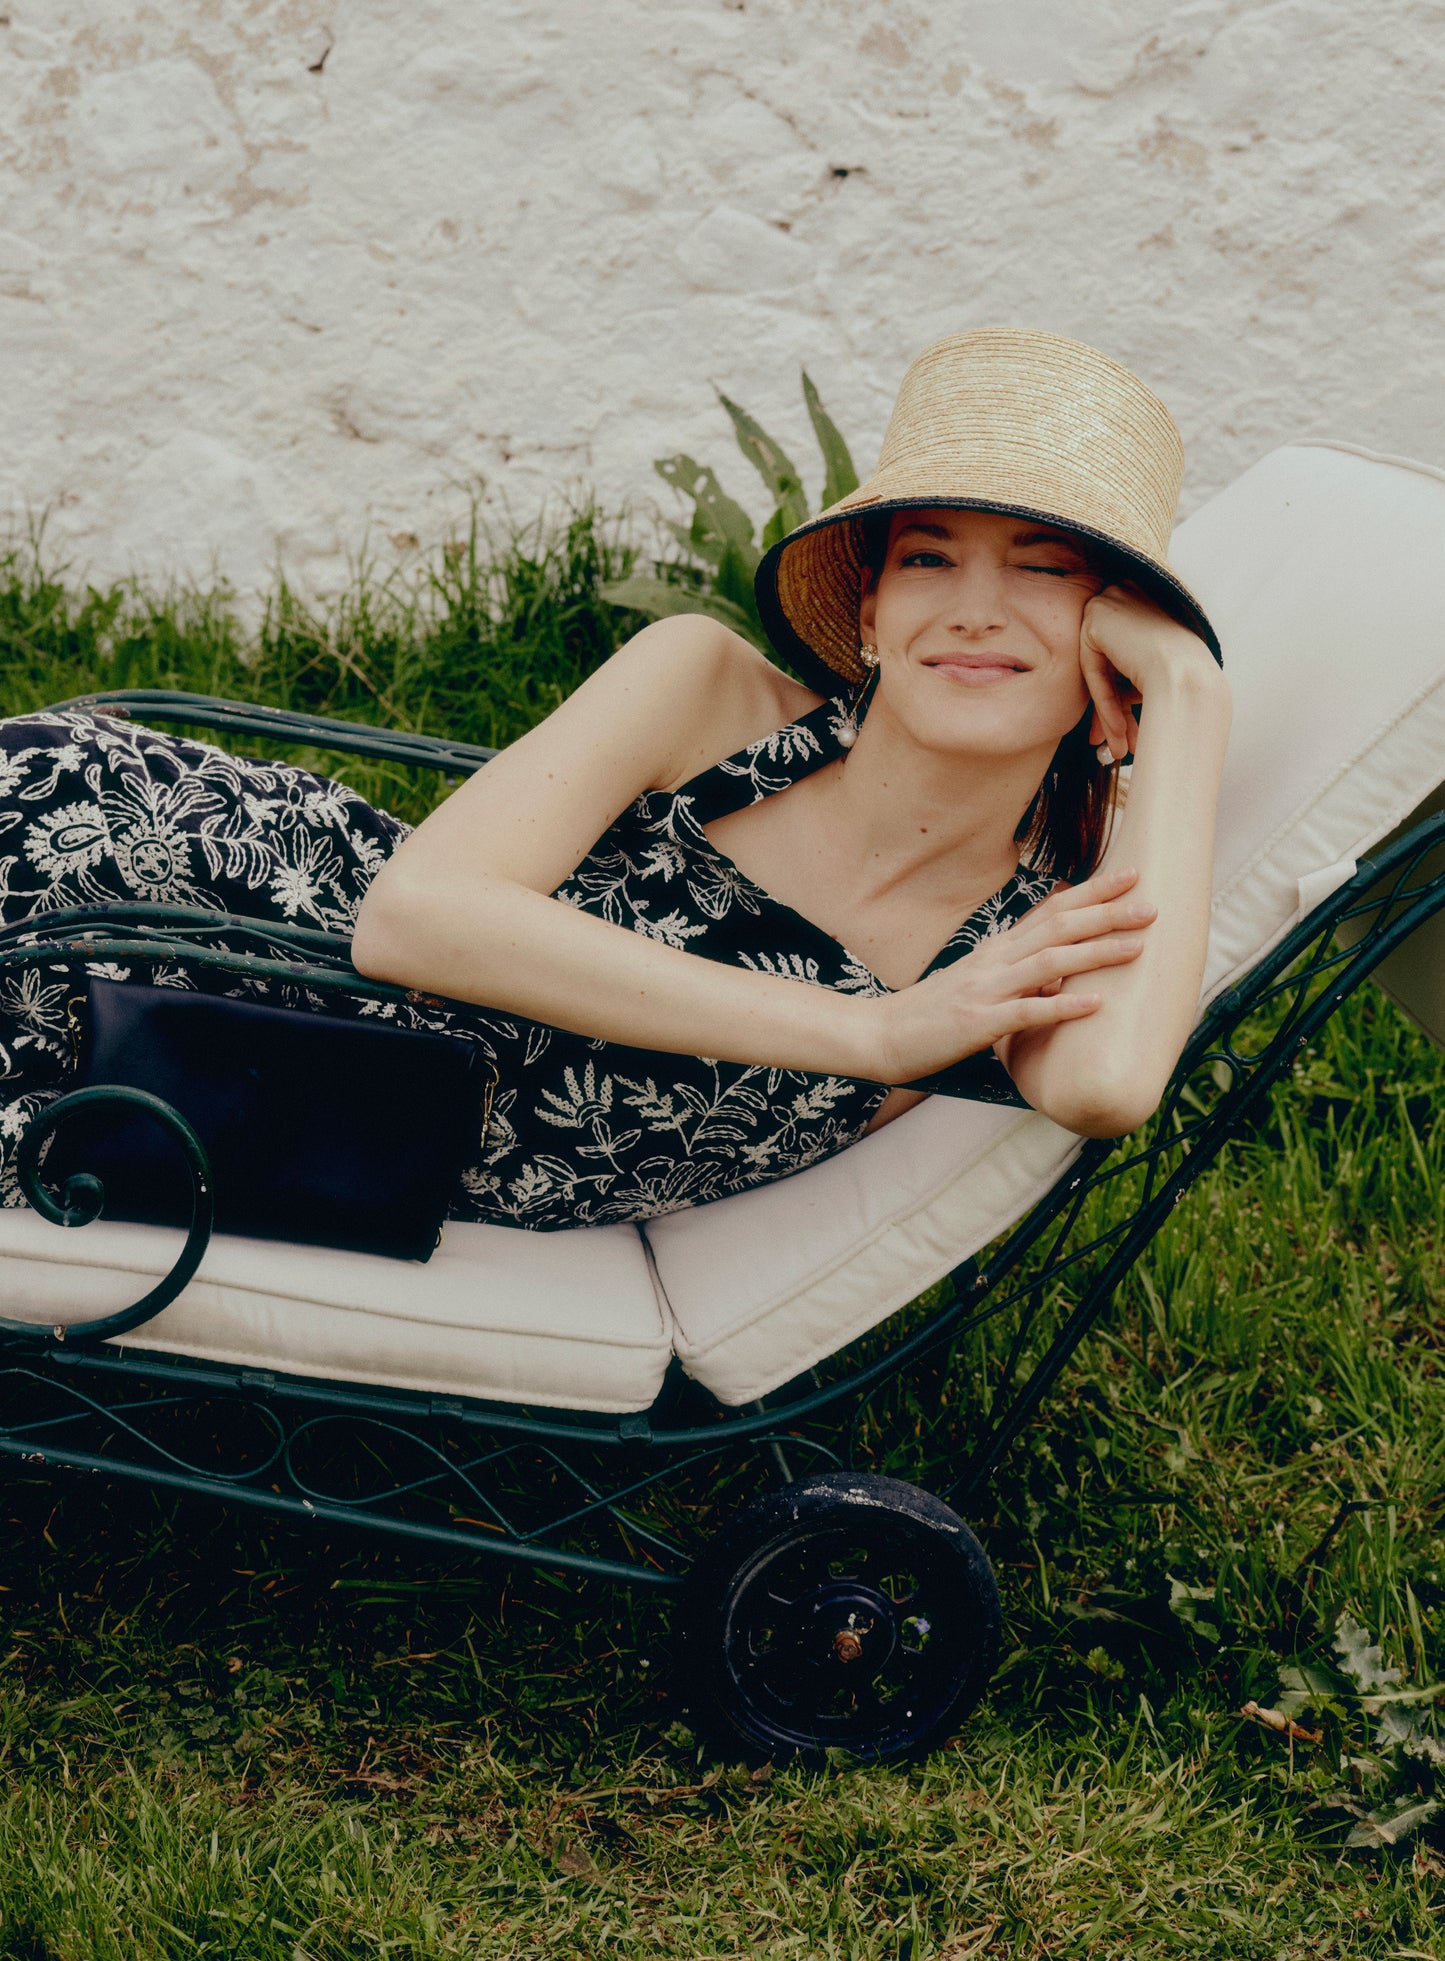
(564, 1320)
(1321, 569)
(765, 1285)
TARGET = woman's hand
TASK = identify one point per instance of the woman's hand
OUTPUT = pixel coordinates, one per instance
(1012, 980)
(1127, 646)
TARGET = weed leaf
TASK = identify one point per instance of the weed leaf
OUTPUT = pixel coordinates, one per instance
(840, 478)
(773, 466)
(660, 600)
(1378, 1828)
(1361, 1658)
(1194, 1606)
(718, 523)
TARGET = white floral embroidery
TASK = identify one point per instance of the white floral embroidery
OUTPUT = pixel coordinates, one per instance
(855, 978)
(67, 842)
(787, 747)
(665, 859)
(785, 966)
(674, 929)
(718, 888)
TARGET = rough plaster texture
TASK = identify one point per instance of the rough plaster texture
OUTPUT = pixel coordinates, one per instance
(277, 272)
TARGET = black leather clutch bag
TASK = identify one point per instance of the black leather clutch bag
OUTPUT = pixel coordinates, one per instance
(328, 1131)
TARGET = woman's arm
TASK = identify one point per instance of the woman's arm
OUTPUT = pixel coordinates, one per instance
(1104, 1075)
(463, 907)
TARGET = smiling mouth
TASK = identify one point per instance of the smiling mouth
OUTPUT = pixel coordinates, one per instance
(975, 670)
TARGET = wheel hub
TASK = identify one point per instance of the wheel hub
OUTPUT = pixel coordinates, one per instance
(851, 1623)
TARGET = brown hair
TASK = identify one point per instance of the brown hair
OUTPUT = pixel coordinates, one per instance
(1066, 827)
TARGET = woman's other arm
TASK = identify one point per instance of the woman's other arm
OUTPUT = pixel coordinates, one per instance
(1104, 1075)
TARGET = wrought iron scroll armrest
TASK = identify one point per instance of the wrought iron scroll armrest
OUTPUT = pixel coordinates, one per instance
(84, 1195)
(286, 725)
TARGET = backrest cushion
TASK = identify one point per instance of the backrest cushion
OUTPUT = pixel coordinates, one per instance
(1321, 569)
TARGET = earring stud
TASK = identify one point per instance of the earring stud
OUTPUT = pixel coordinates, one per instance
(868, 655)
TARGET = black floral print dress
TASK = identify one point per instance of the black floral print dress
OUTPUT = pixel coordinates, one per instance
(95, 810)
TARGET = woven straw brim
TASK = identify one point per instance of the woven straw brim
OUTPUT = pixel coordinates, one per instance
(998, 419)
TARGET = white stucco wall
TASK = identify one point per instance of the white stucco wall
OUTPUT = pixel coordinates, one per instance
(274, 271)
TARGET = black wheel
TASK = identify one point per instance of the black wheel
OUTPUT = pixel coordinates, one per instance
(841, 1611)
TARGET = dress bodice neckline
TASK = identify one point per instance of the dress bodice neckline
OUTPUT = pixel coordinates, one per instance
(775, 762)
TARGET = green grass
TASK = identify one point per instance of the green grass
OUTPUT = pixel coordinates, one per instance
(222, 1735)
(477, 639)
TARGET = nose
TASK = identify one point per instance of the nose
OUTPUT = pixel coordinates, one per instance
(976, 603)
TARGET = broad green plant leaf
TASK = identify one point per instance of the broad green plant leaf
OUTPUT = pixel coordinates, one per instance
(718, 523)
(1309, 1688)
(734, 583)
(840, 478)
(1407, 1730)
(774, 467)
(720, 535)
(660, 601)
(1195, 1606)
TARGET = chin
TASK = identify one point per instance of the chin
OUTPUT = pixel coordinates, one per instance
(1006, 718)
(994, 737)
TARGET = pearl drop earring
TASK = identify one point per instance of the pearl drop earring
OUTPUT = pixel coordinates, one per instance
(848, 732)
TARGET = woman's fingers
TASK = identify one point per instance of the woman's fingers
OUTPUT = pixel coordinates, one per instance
(1042, 1011)
(1106, 687)
(1055, 964)
(1090, 922)
(1082, 923)
(1111, 884)
(1015, 980)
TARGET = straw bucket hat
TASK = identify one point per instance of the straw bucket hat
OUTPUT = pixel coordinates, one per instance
(1000, 419)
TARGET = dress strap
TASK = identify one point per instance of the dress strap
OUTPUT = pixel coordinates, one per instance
(772, 763)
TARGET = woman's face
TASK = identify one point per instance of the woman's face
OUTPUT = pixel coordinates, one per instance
(976, 618)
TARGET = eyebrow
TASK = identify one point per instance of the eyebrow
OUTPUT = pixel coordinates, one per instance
(924, 530)
(1019, 537)
(1046, 538)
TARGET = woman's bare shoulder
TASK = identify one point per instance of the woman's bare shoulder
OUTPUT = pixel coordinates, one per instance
(721, 692)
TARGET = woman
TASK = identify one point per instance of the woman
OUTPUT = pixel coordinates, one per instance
(632, 894)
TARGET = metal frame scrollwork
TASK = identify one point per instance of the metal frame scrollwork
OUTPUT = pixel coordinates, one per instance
(552, 1487)
(84, 1199)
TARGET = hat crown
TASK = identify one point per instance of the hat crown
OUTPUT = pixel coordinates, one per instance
(998, 419)
(1038, 420)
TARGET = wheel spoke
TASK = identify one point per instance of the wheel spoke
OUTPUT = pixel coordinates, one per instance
(788, 1677)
